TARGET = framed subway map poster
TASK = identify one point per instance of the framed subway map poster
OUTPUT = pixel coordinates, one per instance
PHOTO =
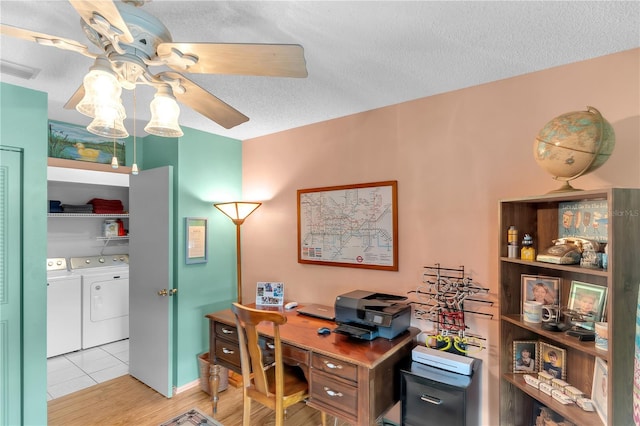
(352, 225)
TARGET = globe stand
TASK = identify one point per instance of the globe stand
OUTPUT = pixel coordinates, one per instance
(565, 188)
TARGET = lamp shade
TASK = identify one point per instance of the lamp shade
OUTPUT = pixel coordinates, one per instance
(101, 88)
(109, 122)
(164, 114)
(238, 211)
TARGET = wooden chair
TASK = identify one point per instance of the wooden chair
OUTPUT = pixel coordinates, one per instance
(276, 386)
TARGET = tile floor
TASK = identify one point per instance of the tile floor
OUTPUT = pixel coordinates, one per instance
(81, 369)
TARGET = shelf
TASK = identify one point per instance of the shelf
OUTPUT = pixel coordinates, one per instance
(541, 216)
(568, 268)
(570, 412)
(126, 237)
(122, 215)
(558, 336)
(74, 165)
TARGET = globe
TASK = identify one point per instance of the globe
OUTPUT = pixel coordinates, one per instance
(573, 144)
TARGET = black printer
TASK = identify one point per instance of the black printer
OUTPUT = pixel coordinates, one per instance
(367, 315)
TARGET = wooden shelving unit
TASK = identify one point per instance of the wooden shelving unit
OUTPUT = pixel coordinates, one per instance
(538, 216)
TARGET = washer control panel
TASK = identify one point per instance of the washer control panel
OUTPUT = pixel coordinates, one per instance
(56, 264)
(99, 261)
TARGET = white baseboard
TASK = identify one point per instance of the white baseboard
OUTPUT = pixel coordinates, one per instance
(186, 387)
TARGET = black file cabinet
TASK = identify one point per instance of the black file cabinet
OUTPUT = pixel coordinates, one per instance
(431, 396)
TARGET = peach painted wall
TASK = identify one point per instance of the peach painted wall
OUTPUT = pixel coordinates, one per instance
(454, 155)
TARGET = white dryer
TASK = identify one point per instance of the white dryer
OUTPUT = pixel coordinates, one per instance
(64, 331)
(105, 298)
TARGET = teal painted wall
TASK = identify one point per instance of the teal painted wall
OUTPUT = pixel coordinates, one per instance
(23, 124)
(207, 169)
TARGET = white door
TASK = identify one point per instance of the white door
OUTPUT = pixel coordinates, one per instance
(151, 272)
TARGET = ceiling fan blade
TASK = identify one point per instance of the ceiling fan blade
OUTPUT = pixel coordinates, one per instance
(88, 9)
(75, 98)
(275, 60)
(46, 39)
(204, 102)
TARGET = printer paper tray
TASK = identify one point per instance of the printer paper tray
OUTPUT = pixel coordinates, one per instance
(359, 332)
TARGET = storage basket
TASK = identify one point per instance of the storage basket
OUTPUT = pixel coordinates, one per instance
(203, 362)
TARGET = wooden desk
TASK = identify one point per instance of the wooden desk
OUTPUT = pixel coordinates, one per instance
(357, 381)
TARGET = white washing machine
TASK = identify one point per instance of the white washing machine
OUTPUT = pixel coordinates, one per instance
(105, 298)
(64, 301)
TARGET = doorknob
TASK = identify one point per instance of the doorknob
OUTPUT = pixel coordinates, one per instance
(164, 292)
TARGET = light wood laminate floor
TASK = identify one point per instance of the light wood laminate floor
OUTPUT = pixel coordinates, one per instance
(126, 401)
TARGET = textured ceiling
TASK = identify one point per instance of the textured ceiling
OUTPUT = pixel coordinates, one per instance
(360, 55)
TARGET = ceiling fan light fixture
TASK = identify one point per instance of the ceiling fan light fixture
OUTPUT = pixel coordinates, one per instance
(101, 87)
(164, 114)
(109, 122)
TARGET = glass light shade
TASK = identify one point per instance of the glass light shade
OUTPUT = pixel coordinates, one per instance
(109, 122)
(238, 211)
(164, 114)
(101, 87)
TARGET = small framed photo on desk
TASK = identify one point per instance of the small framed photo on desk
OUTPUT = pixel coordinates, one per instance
(269, 294)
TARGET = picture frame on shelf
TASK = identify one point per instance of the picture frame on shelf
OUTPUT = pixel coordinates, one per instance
(525, 356)
(540, 288)
(553, 360)
(600, 387)
(543, 415)
(588, 302)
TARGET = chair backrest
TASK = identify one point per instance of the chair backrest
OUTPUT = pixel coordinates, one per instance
(247, 320)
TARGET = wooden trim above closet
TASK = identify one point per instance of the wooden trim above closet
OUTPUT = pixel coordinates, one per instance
(86, 165)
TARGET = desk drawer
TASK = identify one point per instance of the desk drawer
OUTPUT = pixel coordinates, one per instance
(291, 355)
(328, 391)
(228, 351)
(333, 366)
(226, 331)
(294, 356)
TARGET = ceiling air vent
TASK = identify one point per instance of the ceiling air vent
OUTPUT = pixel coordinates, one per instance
(17, 70)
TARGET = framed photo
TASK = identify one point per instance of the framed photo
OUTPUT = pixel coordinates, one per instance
(352, 225)
(543, 415)
(195, 240)
(525, 356)
(588, 301)
(599, 388)
(553, 360)
(269, 294)
(538, 288)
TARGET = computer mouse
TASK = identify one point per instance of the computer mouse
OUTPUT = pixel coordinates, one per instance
(324, 330)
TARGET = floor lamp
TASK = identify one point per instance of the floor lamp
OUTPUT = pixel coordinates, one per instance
(238, 211)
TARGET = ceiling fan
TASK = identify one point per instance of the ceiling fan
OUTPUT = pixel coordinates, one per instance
(131, 41)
